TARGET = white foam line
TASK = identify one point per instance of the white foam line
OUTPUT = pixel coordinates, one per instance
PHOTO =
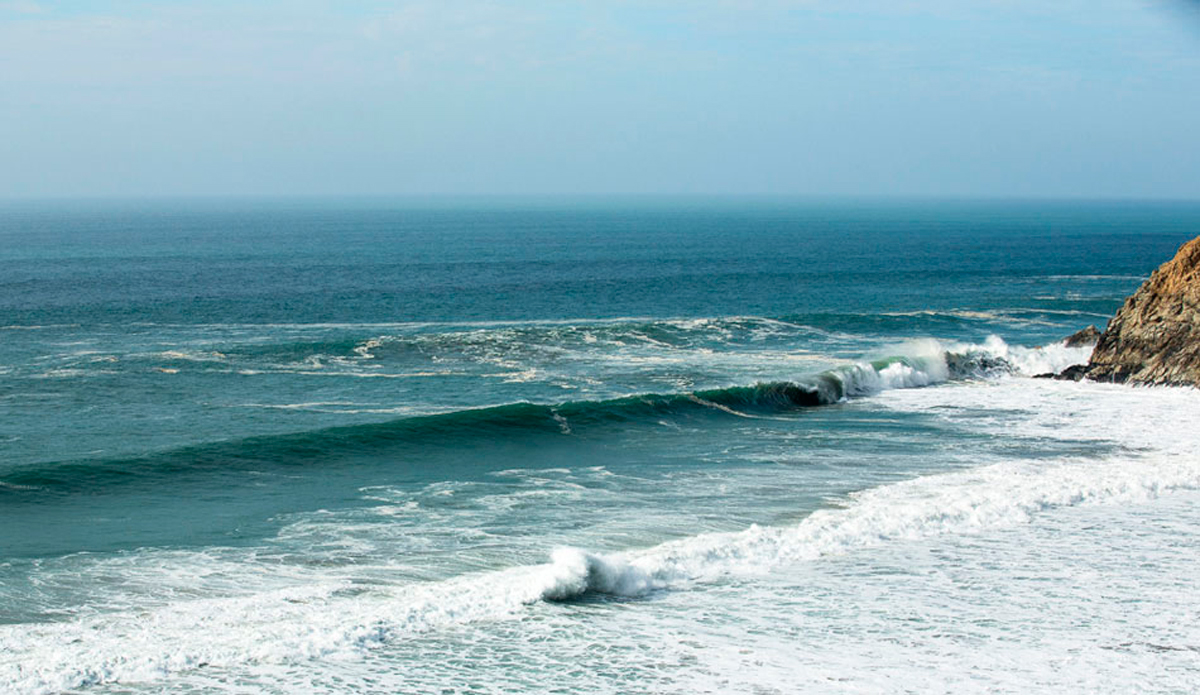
(38, 328)
(298, 406)
(1092, 277)
(356, 375)
(726, 409)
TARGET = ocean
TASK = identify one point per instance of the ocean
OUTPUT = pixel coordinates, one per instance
(613, 445)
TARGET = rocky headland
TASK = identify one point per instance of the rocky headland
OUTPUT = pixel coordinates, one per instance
(1155, 337)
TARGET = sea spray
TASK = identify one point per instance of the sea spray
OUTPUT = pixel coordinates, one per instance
(573, 572)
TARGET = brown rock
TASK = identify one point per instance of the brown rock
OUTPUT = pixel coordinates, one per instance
(1155, 337)
(1088, 336)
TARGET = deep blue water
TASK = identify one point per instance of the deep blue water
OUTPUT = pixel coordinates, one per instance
(202, 263)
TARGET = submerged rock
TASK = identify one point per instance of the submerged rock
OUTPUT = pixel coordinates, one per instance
(1155, 337)
(975, 365)
(1075, 372)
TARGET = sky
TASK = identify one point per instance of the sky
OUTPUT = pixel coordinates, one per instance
(960, 98)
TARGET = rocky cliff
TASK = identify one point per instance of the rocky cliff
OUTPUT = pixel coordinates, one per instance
(1155, 337)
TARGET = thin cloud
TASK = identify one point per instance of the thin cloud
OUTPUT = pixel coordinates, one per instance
(22, 7)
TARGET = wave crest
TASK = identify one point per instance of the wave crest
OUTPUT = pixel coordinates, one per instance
(913, 365)
(573, 573)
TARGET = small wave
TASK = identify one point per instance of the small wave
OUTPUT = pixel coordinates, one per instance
(356, 375)
(364, 350)
(35, 327)
(1095, 277)
(955, 313)
(1023, 316)
(302, 406)
(338, 407)
(71, 373)
(189, 356)
(516, 377)
(1059, 312)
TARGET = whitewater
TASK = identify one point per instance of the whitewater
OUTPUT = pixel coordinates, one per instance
(696, 458)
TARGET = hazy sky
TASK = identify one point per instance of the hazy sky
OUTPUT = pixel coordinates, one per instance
(865, 97)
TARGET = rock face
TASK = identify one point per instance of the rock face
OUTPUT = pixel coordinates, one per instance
(1088, 336)
(1155, 337)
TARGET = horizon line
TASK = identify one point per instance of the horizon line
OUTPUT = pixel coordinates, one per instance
(590, 196)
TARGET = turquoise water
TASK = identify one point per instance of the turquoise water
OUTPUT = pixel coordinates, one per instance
(593, 446)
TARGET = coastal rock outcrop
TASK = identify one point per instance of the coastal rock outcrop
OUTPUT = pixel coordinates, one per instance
(1088, 336)
(1155, 337)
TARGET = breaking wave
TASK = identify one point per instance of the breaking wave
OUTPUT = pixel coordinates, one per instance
(915, 364)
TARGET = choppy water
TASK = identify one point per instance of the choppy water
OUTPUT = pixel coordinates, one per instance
(631, 446)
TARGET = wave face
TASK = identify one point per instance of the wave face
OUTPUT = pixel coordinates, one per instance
(925, 363)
